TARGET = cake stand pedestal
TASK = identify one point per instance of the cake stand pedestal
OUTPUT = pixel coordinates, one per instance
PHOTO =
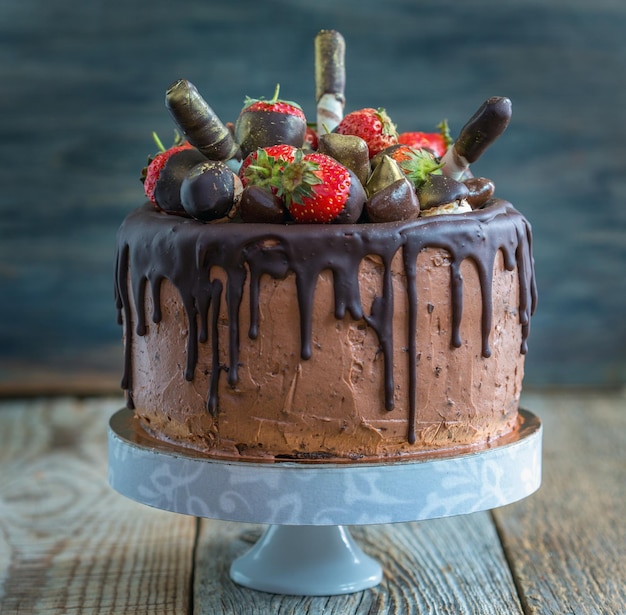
(308, 550)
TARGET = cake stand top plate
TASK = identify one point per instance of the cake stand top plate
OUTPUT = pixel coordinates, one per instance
(294, 493)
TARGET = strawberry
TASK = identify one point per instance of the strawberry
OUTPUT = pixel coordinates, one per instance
(165, 172)
(264, 165)
(419, 165)
(373, 126)
(310, 139)
(315, 188)
(262, 123)
(436, 142)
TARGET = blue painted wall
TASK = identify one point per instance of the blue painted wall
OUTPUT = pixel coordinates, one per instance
(83, 86)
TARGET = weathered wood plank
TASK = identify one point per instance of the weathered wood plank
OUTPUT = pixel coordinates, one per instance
(567, 543)
(453, 566)
(68, 542)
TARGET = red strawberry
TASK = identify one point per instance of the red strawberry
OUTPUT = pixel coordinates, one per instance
(310, 139)
(373, 126)
(436, 142)
(315, 188)
(425, 140)
(262, 123)
(264, 165)
(165, 172)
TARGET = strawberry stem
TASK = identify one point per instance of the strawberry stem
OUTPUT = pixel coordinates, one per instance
(276, 92)
(158, 142)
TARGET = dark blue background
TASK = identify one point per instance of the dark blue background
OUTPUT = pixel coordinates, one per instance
(83, 86)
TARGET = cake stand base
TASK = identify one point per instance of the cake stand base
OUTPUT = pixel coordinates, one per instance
(307, 549)
(306, 560)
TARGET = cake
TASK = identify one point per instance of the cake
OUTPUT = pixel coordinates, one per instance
(257, 331)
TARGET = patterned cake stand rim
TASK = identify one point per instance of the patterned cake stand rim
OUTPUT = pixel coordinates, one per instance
(293, 493)
(307, 550)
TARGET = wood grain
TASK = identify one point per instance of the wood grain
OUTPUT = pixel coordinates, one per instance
(68, 542)
(567, 544)
(451, 566)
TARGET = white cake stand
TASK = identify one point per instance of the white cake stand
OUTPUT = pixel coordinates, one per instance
(308, 550)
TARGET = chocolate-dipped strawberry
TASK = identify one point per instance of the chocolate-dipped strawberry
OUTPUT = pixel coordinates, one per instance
(259, 204)
(351, 151)
(165, 173)
(481, 130)
(480, 190)
(262, 123)
(353, 207)
(316, 188)
(210, 190)
(396, 201)
(198, 122)
(441, 194)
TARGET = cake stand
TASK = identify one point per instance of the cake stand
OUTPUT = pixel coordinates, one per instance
(307, 549)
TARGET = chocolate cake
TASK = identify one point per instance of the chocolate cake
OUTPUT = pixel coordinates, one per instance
(262, 321)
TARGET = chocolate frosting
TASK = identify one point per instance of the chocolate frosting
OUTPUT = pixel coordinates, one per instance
(153, 246)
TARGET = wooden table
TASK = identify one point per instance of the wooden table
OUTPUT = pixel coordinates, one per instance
(70, 544)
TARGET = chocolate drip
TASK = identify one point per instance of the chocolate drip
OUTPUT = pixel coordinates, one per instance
(154, 246)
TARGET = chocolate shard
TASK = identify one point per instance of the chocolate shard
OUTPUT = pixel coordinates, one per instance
(198, 122)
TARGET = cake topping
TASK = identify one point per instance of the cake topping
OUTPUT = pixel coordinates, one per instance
(198, 122)
(315, 188)
(436, 142)
(374, 126)
(481, 130)
(210, 190)
(259, 205)
(268, 134)
(386, 172)
(349, 150)
(165, 172)
(480, 190)
(440, 190)
(395, 201)
(330, 79)
(262, 123)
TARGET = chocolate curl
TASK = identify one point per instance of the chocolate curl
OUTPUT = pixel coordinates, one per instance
(482, 129)
(198, 122)
(330, 79)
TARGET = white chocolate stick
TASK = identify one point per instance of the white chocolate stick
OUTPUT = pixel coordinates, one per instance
(330, 79)
(482, 129)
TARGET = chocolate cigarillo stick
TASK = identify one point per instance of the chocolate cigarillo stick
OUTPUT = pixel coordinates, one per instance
(198, 122)
(330, 79)
(482, 129)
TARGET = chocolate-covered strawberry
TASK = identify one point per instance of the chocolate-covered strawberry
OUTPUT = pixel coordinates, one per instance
(210, 190)
(163, 176)
(316, 188)
(262, 123)
(261, 205)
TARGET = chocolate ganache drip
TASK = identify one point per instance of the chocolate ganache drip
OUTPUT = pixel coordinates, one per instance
(153, 247)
